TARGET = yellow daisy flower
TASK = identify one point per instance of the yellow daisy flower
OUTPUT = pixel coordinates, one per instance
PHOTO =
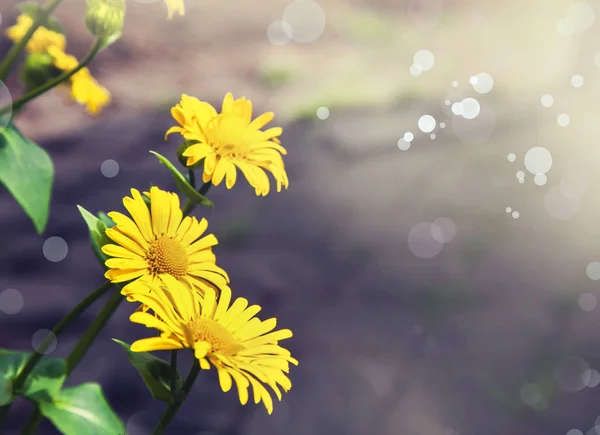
(42, 38)
(229, 141)
(160, 241)
(174, 6)
(229, 337)
(84, 89)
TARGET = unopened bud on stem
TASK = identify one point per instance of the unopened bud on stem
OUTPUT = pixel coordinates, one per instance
(104, 18)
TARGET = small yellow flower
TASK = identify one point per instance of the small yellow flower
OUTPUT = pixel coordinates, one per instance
(239, 345)
(160, 241)
(84, 89)
(88, 92)
(42, 38)
(174, 6)
(229, 141)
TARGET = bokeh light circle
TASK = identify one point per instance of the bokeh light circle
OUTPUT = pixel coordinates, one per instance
(569, 374)
(55, 249)
(425, 240)
(279, 32)
(587, 302)
(424, 59)
(11, 301)
(483, 83)
(5, 101)
(306, 19)
(538, 160)
(322, 113)
(109, 168)
(426, 123)
(593, 271)
(38, 338)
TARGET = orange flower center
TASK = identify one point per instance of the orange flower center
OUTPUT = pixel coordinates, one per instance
(166, 255)
(215, 334)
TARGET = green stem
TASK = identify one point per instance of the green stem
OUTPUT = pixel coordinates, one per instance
(172, 409)
(190, 205)
(96, 47)
(192, 176)
(32, 423)
(39, 352)
(205, 188)
(17, 48)
(80, 350)
(92, 332)
(173, 371)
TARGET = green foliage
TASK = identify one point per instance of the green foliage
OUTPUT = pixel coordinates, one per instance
(97, 227)
(155, 372)
(82, 410)
(183, 185)
(26, 170)
(106, 219)
(43, 382)
(276, 76)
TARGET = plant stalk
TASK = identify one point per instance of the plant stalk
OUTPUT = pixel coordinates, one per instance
(34, 93)
(172, 409)
(12, 55)
(37, 355)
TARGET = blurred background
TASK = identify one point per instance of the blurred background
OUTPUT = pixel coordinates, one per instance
(437, 252)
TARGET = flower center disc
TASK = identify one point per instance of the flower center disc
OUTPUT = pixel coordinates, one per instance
(166, 255)
(219, 338)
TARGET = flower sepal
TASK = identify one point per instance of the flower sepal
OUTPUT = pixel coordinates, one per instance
(183, 159)
(37, 70)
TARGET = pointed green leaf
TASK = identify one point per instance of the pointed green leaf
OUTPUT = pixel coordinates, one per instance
(82, 410)
(44, 381)
(155, 372)
(27, 172)
(182, 183)
(98, 237)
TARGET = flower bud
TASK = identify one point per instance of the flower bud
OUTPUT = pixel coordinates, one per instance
(183, 160)
(37, 70)
(104, 18)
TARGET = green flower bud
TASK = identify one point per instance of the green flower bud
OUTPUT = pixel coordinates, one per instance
(104, 18)
(37, 70)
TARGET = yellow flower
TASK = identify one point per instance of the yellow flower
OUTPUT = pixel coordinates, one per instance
(84, 89)
(229, 141)
(42, 38)
(174, 6)
(160, 241)
(230, 338)
(88, 92)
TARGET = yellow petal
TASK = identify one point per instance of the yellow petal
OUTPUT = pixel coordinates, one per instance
(122, 275)
(201, 349)
(155, 343)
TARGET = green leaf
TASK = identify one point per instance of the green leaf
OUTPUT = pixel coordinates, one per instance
(182, 183)
(82, 410)
(106, 219)
(45, 380)
(155, 372)
(27, 172)
(33, 9)
(98, 237)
